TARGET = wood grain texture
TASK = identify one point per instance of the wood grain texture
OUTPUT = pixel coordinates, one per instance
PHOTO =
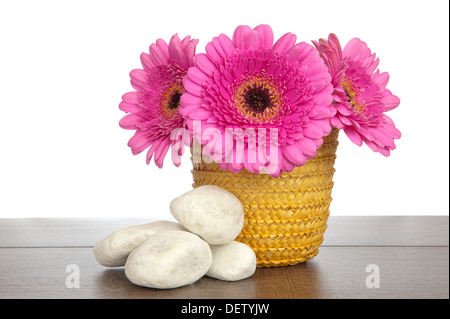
(411, 252)
(337, 272)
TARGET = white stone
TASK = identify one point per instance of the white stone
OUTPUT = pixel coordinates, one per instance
(232, 261)
(169, 259)
(211, 212)
(113, 250)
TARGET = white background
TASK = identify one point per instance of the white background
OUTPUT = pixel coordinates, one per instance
(64, 66)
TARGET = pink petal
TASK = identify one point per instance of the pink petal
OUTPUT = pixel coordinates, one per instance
(265, 36)
(176, 52)
(292, 153)
(366, 133)
(146, 61)
(286, 165)
(324, 99)
(344, 110)
(384, 152)
(185, 42)
(308, 147)
(371, 145)
(344, 119)
(383, 139)
(373, 65)
(199, 113)
(324, 124)
(353, 135)
(204, 63)
(274, 171)
(352, 48)
(131, 97)
(138, 78)
(161, 152)
(218, 45)
(129, 121)
(355, 123)
(294, 53)
(212, 52)
(151, 151)
(336, 122)
(159, 52)
(138, 142)
(313, 131)
(390, 101)
(196, 75)
(381, 79)
(235, 167)
(310, 57)
(332, 110)
(227, 45)
(190, 100)
(318, 141)
(129, 107)
(192, 87)
(284, 43)
(390, 128)
(189, 50)
(333, 39)
(252, 40)
(239, 35)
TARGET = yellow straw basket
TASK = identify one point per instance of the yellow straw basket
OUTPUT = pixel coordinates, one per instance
(285, 217)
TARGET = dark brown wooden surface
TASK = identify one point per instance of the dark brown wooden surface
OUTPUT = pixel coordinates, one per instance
(411, 252)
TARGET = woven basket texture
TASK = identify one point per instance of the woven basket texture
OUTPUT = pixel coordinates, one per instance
(285, 217)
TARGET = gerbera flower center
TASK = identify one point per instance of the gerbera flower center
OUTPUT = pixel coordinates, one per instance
(352, 94)
(170, 99)
(257, 98)
(175, 100)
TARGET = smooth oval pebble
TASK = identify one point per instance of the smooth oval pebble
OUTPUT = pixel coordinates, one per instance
(211, 212)
(232, 261)
(113, 250)
(169, 259)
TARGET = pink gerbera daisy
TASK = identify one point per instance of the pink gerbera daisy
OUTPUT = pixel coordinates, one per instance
(262, 94)
(153, 106)
(360, 95)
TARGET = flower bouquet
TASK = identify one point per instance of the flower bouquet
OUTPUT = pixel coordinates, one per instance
(261, 118)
